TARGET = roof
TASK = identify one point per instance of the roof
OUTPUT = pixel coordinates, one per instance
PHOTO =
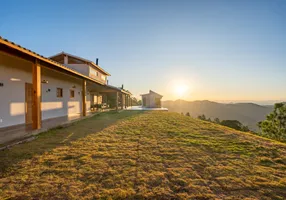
(126, 91)
(151, 92)
(83, 59)
(120, 89)
(19, 48)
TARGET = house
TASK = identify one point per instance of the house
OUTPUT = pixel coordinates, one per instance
(151, 100)
(34, 88)
(82, 65)
(88, 68)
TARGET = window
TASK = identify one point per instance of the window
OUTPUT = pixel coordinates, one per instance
(59, 92)
(93, 72)
(71, 93)
(103, 77)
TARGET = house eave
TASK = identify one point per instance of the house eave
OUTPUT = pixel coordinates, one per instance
(12, 48)
(83, 59)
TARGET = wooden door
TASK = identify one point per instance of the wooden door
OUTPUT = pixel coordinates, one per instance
(29, 102)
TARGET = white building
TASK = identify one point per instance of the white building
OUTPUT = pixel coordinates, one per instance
(34, 88)
(151, 100)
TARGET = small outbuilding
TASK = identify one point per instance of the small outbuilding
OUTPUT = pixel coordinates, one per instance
(151, 100)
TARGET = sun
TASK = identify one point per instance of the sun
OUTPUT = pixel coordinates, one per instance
(181, 89)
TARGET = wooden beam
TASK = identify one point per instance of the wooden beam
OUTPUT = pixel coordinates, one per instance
(83, 97)
(13, 49)
(116, 101)
(36, 109)
(122, 101)
(126, 101)
(97, 101)
(23, 58)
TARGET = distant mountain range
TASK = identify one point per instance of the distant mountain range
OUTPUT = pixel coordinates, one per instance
(247, 113)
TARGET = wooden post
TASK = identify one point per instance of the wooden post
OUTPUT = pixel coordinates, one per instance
(126, 101)
(130, 101)
(97, 101)
(122, 101)
(116, 101)
(36, 109)
(84, 97)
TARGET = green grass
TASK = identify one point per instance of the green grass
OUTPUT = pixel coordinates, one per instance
(152, 155)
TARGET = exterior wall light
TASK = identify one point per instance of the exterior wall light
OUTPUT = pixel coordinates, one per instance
(45, 81)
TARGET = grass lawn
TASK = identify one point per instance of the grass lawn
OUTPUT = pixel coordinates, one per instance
(150, 155)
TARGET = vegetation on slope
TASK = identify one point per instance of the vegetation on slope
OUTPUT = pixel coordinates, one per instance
(248, 114)
(274, 126)
(235, 124)
(154, 155)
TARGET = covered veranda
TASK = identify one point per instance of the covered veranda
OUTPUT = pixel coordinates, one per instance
(108, 97)
(111, 97)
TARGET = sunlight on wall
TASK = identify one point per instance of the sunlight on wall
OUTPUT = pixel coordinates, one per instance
(17, 109)
(73, 107)
(51, 105)
(15, 79)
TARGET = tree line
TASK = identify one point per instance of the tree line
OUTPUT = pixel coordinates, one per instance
(273, 127)
(235, 124)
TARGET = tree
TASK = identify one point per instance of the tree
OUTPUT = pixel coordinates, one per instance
(135, 102)
(188, 114)
(235, 124)
(216, 120)
(275, 124)
(202, 117)
(232, 124)
(245, 129)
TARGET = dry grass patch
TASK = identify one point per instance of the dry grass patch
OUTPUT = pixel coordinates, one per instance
(153, 155)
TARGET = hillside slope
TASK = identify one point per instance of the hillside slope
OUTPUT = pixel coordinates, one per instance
(153, 155)
(247, 113)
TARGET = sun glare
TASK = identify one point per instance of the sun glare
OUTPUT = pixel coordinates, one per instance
(181, 89)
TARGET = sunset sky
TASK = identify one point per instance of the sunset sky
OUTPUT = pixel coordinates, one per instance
(194, 50)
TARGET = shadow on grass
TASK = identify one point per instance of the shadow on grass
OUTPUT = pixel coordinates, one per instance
(59, 137)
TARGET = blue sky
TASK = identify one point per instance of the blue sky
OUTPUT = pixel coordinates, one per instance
(223, 50)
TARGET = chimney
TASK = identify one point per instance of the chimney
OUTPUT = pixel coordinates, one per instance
(122, 87)
(96, 61)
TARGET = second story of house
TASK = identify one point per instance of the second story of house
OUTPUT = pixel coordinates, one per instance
(82, 65)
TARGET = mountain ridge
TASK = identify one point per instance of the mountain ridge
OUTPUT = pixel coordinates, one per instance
(247, 113)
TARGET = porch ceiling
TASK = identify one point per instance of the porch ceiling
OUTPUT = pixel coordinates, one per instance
(93, 87)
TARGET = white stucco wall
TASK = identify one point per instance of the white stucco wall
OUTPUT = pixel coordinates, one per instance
(98, 77)
(15, 72)
(53, 106)
(81, 68)
(150, 100)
